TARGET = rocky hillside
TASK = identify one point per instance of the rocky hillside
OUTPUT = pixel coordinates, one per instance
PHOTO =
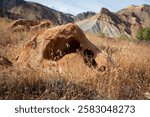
(141, 13)
(124, 22)
(33, 11)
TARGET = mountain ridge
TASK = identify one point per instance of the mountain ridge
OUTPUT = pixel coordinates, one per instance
(34, 11)
(124, 22)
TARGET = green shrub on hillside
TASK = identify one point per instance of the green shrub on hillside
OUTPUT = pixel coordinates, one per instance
(143, 34)
(146, 34)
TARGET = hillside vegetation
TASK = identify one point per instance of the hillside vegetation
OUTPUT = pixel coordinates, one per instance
(143, 34)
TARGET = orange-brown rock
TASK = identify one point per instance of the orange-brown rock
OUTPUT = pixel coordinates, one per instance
(28, 25)
(24, 22)
(43, 24)
(59, 48)
(21, 28)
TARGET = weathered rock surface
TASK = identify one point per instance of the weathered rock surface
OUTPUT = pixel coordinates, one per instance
(60, 47)
(29, 25)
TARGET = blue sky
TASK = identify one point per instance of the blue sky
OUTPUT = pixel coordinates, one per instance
(78, 6)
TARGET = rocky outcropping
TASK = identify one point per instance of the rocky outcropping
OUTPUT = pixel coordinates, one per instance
(137, 14)
(60, 46)
(125, 22)
(30, 25)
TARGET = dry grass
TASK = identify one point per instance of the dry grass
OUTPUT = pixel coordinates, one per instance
(11, 43)
(128, 77)
(130, 74)
(28, 85)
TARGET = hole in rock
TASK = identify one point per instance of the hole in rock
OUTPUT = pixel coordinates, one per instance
(102, 69)
(88, 53)
(60, 47)
(90, 62)
(72, 46)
